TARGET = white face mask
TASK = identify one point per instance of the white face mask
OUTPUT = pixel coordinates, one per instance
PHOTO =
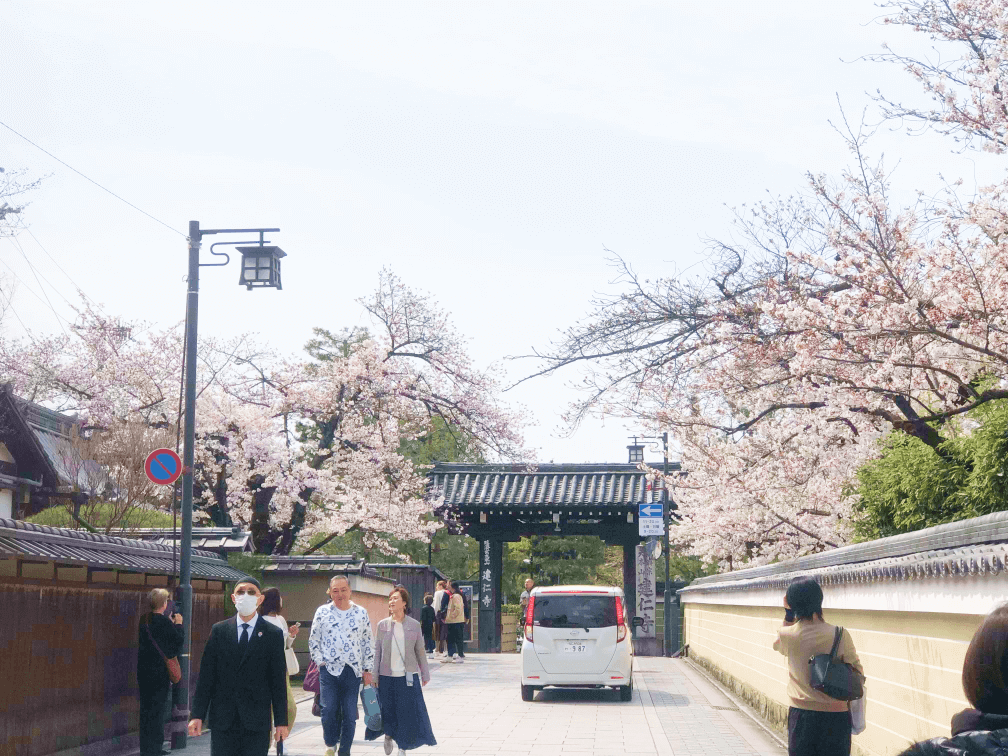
(246, 604)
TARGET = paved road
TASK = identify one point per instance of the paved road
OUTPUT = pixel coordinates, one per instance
(476, 708)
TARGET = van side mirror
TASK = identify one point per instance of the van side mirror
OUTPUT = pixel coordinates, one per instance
(637, 622)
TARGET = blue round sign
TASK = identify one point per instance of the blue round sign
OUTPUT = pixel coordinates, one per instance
(163, 466)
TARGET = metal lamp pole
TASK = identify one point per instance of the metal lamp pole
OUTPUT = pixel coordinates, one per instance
(271, 279)
(668, 588)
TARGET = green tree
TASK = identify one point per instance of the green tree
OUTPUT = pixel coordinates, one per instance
(551, 560)
(913, 485)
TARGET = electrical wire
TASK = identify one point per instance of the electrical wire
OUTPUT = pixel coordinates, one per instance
(88, 178)
(56, 263)
(41, 287)
(31, 291)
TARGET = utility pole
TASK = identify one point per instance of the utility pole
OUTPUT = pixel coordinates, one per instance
(668, 587)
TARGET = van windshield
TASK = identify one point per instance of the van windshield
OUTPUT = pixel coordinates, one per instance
(574, 610)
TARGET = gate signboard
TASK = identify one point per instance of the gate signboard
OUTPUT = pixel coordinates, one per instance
(646, 590)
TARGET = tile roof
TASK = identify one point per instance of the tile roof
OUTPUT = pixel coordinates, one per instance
(974, 547)
(293, 563)
(216, 539)
(26, 540)
(516, 486)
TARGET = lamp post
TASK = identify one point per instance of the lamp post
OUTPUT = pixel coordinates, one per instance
(263, 271)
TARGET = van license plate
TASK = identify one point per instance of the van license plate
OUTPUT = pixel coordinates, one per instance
(575, 648)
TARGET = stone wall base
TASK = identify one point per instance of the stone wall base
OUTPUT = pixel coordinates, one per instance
(773, 713)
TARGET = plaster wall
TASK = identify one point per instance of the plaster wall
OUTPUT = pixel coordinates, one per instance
(911, 637)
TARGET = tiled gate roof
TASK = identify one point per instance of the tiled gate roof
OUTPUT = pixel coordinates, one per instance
(517, 486)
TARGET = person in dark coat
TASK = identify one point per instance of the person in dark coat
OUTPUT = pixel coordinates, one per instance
(427, 619)
(153, 683)
(242, 680)
(981, 730)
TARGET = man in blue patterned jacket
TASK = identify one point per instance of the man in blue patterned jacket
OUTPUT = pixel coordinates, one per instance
(342, 646)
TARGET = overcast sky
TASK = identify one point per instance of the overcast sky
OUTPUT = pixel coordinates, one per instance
(488, 153)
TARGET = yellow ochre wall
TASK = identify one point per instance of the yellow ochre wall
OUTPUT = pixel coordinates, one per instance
(912, 660)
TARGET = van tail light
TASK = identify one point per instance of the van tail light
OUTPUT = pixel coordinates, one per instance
(528, 619)
(620, 625)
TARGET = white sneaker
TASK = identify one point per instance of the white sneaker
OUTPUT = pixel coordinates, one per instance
(330, 752)
(449, 660)
(388, 745)
(402, 752)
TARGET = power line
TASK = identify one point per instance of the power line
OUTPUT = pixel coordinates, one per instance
(41, 287)
(31, 291)
(88, 178)
(56, 263)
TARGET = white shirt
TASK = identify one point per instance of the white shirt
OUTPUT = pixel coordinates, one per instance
(437, 600)
(251, 625)
(280, 622)
(398, 663)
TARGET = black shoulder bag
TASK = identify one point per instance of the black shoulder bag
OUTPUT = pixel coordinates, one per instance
(836, 679)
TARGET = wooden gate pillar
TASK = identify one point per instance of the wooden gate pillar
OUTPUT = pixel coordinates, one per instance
(630, 580)
(490, 562)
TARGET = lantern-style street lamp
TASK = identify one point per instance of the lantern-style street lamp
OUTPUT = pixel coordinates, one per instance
(260, 266)
(260, 269)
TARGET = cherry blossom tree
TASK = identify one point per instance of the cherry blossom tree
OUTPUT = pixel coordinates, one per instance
(826, 322)
(286, 446)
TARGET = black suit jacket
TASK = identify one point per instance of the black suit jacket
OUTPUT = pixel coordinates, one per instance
(152, 675)
(238, 692)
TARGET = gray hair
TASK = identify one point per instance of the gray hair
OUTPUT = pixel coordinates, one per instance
(157, 599)
(339, 577)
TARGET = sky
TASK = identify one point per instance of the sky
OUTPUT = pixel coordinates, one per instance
(488, 153)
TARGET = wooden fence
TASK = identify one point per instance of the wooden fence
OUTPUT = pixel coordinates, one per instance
(69, 663)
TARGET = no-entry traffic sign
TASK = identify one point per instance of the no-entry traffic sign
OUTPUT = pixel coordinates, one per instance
(163, 466)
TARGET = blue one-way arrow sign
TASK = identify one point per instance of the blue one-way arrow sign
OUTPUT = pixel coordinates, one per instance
(649, 510)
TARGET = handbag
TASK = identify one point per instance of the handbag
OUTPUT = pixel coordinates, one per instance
(311, 680)
(292, 663)
(172, 665)
(372, 711)
(836, 679)
(316, 707)
(857, 716)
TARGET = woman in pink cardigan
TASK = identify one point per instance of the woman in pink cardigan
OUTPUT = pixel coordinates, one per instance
(401, 664)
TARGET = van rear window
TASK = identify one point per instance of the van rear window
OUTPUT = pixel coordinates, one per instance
(574, 610)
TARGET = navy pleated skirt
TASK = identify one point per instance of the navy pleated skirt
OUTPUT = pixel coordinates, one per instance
(404, 713)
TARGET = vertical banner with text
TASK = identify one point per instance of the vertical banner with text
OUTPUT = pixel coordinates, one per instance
(646, 590)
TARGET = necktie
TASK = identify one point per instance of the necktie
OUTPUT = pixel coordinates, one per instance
(243, 641)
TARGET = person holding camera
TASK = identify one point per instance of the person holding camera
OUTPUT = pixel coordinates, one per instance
(160, 637)
(818, 725)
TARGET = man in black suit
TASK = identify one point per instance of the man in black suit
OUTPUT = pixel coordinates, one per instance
(243, 673)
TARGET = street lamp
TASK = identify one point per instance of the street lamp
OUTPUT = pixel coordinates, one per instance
(264, 261)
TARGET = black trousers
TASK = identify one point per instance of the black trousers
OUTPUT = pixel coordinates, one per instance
(153, 708)
(818, 733)
(239, 742)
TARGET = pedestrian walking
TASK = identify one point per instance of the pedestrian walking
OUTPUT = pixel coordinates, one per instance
(818, 725)
(402, 672)
(982, 729)
(427, 619)
(455, 620)
(160, 638)
(270, 610)
(341, 645)
(524, 599)
(440, 610)
(242, 680)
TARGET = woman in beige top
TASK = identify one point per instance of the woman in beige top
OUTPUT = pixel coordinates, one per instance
(401, 663)
(817, 724)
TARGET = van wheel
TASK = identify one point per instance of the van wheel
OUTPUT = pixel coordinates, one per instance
(528, 692)
(626, 692)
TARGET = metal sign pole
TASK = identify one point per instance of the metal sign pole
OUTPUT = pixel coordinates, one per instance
(668, 587)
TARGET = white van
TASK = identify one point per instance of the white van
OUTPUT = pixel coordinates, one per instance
(577, 636)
